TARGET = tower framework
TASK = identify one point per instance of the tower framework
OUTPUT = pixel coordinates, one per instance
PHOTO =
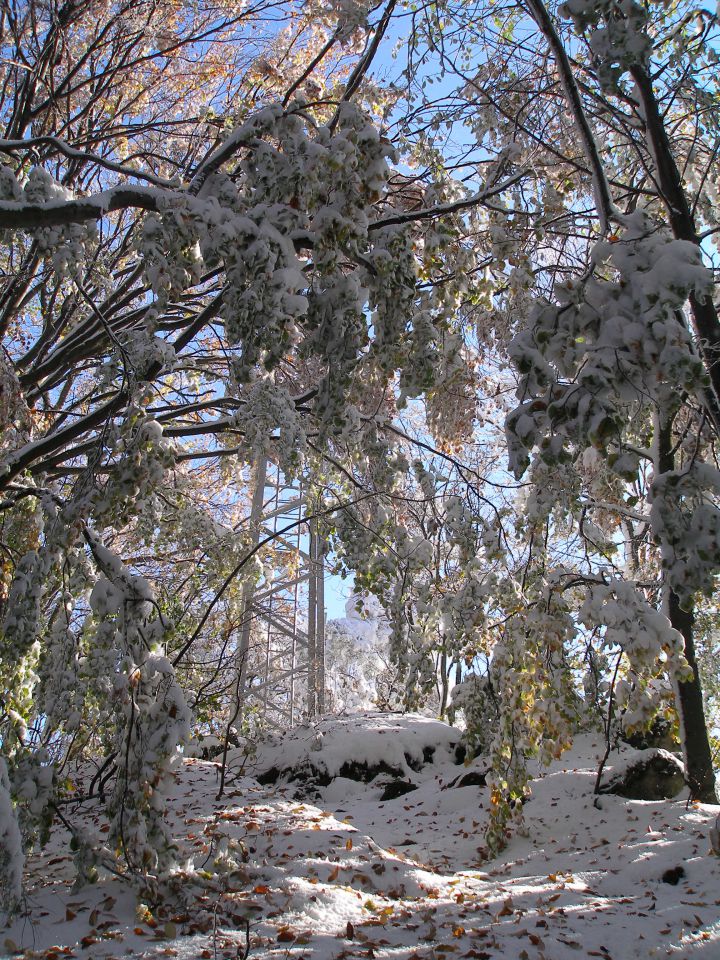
(281, 647)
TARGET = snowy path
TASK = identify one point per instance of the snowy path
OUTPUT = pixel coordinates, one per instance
(402, 879)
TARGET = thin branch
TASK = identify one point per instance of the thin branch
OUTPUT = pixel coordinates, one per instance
(12, 146)
(444, 209)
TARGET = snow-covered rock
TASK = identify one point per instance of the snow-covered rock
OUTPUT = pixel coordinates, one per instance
(646, 775)
(360, 747)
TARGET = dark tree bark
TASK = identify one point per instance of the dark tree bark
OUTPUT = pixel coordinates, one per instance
(699, 773)
(682, 223)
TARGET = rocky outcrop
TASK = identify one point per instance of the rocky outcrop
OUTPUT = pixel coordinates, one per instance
(397, 788)
(384, 747)
(651, 775)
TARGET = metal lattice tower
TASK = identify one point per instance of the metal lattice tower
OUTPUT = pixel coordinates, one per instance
(281, 647)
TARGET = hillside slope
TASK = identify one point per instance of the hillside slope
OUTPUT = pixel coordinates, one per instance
(316, 864)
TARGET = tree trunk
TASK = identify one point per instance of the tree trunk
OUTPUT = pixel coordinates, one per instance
(444, 683)
(699, 773)
(682, 222)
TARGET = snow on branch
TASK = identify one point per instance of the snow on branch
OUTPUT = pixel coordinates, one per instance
(17, 215)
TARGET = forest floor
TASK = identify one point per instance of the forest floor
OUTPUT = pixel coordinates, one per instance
(350, 875)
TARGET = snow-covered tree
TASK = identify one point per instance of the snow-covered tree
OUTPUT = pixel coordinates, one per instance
(226, 237)
(358, 671)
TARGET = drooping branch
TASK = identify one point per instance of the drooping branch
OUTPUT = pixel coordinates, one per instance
(601, 188)
(46, 447)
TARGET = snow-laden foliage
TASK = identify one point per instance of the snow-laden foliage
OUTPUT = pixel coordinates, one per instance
(11, 844)
(241, 252)
(606, 372)
(652, 647)
(612, 353)
(151, 714)
(305, 275)
(617, 34)
(610, 344)
(686, 521)
(358, 673)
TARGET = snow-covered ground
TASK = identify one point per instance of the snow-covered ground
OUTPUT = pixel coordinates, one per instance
(353, 876)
